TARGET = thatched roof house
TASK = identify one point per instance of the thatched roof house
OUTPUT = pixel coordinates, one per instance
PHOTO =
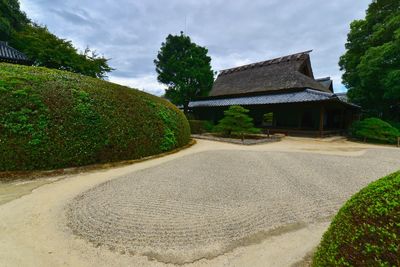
(11, 55)
(293, 71)
(284, 86)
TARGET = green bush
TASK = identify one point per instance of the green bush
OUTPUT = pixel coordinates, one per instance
(196, 126)
(366, 231)
(376, 130)
(208, 126)
(199, 126)
(395, 124)
(236, 122)
(55, 119)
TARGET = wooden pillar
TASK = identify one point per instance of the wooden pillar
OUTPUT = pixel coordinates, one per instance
(342, 118)
(321, 121)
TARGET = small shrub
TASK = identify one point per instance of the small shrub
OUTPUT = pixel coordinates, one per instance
(366, 230)
(395, 124)
(236, 122)
(208, 126)
(374, 129)
(268, 119)
(196, 126)
(199, 126)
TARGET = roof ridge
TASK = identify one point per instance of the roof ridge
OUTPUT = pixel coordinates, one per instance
(277, 60)
(315, 91)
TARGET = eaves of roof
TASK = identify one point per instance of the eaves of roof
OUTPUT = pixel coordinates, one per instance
(307, 95)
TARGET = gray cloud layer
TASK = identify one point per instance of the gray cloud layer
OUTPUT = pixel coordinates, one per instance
(235, 32)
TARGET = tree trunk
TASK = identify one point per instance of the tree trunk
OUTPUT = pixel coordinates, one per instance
(186, 107)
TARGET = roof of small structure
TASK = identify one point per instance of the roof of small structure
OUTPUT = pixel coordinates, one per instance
(307, 95)
(327, 82)
(288, 72)
(343, 97)
(11, 55)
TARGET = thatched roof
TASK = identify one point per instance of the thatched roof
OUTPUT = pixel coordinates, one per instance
(11, 55)
(327, 82)
(279, 74)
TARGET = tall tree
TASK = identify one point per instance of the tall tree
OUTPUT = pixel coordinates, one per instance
(11, 18)
(44, 48)
(185, 68)
(372, 60)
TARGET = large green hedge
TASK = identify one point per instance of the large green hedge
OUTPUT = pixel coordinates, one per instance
(366, 231)
(54, 119)
(376, 130)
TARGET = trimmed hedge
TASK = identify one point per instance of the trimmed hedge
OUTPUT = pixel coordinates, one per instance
(54, 119)
(395, 124)
(199, 126)
(196, 126)
(366, 231)
(374, 129)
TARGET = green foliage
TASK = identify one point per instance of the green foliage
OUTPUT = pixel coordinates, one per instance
(366, 230)
(372, 62)
(236, 122)
(185, 68)
(11, 18)
(268, 118)
(169, 140)
(196, 126)
(44, 48)
(55, 119)
(199, 126)
(208, 126)
(374, 129)
(395, 124)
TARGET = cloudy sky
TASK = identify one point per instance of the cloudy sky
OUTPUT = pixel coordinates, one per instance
(237, 32)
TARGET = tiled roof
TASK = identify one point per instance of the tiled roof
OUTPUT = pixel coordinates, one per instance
(343, 97)
(307, 95)
(9, 54)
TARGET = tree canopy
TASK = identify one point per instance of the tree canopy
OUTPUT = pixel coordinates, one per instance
(44, 48)
(372, 60)
(185, 68)
(11, 18)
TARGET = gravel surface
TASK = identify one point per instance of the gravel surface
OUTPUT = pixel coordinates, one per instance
(204, 204)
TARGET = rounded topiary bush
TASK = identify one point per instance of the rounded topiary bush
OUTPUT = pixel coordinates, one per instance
(366, 231)
(54, 119)
(374, 129)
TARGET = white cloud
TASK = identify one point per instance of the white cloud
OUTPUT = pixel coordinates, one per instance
(147, 83)
(235, 32)
(229, 61)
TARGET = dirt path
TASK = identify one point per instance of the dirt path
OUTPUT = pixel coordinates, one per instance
(34, 231)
